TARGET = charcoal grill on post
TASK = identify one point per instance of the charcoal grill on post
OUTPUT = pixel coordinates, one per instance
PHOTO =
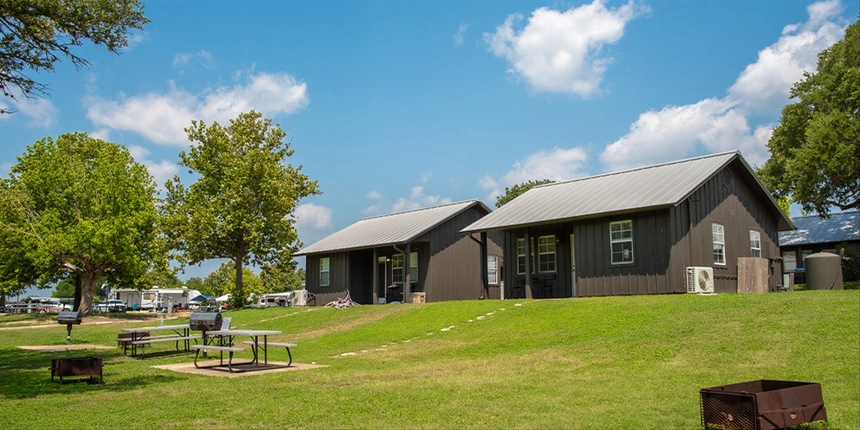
(205, 321)
(69, 318)
(762, 405)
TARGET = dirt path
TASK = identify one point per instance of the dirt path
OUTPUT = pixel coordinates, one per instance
(91, 320)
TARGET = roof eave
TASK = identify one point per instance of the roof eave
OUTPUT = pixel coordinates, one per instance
(569, 219)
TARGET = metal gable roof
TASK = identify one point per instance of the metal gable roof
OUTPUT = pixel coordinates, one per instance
(841, 227)
(649, 187)
(389, 229)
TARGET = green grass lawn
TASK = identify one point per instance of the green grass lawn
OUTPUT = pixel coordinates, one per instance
(615, 362)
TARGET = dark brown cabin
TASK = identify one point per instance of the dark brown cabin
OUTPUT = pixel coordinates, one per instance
(638, 231)
(386, 258)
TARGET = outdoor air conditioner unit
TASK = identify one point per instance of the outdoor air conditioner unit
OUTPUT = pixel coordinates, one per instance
(700, 280)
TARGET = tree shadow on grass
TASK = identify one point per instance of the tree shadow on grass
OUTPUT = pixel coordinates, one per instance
(27, 374)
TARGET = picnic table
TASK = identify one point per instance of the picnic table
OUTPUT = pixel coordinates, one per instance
(140, 336)
(226, 341)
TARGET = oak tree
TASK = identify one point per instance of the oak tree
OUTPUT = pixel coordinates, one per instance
(518, 189)
(77, 206)
(241, 205)
(815, 150)
(36, 34)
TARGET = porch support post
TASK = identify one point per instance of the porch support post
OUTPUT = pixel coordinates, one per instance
(375, 287)
(528, 284)
(485, 281)
(407, 289)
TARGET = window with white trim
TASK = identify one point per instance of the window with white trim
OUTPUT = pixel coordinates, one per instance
(621, 241)
(719, 238)
(325, 273)
(521, 256)
(492, 269)
(397, 268)
(789, 262)
(755, 243)
(546, 254)
(413, 267)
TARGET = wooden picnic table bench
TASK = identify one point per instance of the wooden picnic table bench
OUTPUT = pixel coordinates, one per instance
(141, 336)
(221, 350)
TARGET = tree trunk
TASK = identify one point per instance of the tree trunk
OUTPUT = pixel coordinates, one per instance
(77, 304)
(238, 297)
(87, 293)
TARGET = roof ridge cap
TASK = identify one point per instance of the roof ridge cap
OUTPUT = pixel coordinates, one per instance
(635, 169)
(419, 209)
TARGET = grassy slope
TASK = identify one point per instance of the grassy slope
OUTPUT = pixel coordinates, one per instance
(594, 363)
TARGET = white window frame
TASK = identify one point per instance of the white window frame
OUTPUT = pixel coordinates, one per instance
(620, 239)
(413, 267)
(789, 262)
(397, 265)
(493, 269)
(521, 256)
(325, 268)
(755, 243)
(544, 244)
(718, 236)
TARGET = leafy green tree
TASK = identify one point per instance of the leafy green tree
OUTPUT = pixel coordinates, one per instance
(78, 206)
(65, 288)
(35, 34)
(284, 276)
(223, 281)
(194, 283)
(815, 150)
(241, 205)
(518, 189)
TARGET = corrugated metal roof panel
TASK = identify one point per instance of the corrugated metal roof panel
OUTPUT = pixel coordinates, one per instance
(841, 227)
(389, 229)
(630, 190)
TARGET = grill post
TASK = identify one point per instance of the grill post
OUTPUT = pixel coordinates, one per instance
(69, 318)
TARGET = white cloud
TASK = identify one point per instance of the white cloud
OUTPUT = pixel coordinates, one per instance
(418, 199)
(678, 131)
(561, 51)
(313, 216)
(204, 58)
(375, 195)
(461, 31)
(558, 164)
(181, 59)
(764, 86)
(161, 171)
(39, 110)
(716, 124)
(136, 37)
(162, 117)
(5, 169)
(102, 133)
(489, 184)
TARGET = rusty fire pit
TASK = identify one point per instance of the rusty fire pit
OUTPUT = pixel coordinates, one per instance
(761, 405)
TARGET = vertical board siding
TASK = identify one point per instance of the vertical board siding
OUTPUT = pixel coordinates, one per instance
(648, 274)
(729, 200)
(454, 269)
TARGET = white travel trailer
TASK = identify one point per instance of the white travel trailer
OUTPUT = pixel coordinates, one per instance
(275, 299)
(156, 299)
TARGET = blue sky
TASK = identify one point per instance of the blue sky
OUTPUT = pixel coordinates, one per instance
(399, 105)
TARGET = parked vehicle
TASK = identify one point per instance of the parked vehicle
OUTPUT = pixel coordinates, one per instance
(45, 305)
(112, 305)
